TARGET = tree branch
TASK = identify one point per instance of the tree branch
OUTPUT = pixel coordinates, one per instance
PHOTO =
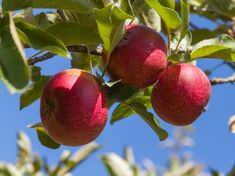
(230, 79)
(75, 48)
(83, 49)
(44, 57)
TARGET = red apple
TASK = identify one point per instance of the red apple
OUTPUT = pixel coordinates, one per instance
(181, 93)
(139, 57)
(73, 107)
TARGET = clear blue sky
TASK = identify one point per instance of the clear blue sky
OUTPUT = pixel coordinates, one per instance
(214, 145)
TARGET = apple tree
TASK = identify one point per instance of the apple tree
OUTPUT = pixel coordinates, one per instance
(141, 53)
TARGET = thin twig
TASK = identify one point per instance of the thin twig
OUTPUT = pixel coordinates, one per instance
(90, 60)
(77, 48)
(33, 56)
(83, 49)
(44, 57)
(230, 79)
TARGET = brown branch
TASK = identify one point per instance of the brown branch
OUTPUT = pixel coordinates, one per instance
(76, 48)
(44, 57)
(83, 49)
(230, 79)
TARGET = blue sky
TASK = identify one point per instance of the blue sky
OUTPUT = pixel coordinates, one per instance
(214, 144)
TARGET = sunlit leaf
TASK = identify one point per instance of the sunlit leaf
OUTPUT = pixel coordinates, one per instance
(69, 161)
(185, 15)
(43, 137)
(151, 18)
(221, 47)
(110, 21)
(116, 166)
(40, 39)
(168, 3)
(149, 118)
(168, 15)
(123, 110)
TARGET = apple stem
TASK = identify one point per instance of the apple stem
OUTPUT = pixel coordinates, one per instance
(169, 41)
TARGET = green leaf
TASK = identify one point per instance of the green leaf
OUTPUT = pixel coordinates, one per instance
(37, 163)
(227, 8)
(84, 153)
(13, 64)
(82, 6)
(40, 39)
(78, 157)
(168, 15)
(180, 57)
(202, 34)
(123, 110)
(74, 33)
(33, 92)
(138, 6)
(110, 21)
(69, 162)
(148, 117)
(221, 47)
(119, 91)
(35, 73)
(82, 61)
(26, 15)
(151, 18)
(116, 166)
(185, 15)
(178, 44)
(43, 137)
(24, 150)
(86, 20)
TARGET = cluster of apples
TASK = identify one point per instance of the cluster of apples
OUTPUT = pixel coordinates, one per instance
(73, 105)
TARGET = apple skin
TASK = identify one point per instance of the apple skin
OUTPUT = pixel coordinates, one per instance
(73, 107)
(181, 94)
(139, 57)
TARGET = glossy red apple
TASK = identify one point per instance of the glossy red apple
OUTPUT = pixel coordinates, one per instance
(73, 107)
(139, 57)
(181, 94)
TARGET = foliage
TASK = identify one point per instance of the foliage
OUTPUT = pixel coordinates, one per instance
(32, 164)
(85, 30)
(179, 164)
